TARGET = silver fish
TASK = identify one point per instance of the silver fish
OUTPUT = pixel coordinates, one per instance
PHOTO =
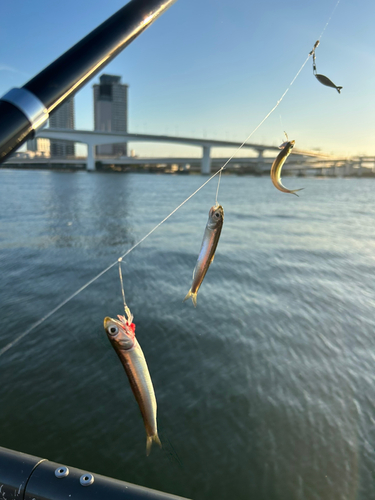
(207, 252)
(278, 164)
(121, 334)
(327, 82)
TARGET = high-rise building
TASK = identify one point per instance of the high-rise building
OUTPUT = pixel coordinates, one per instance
(63, 117)
(39, 145)
(111, 112)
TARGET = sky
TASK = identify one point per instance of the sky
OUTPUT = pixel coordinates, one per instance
(215, 68)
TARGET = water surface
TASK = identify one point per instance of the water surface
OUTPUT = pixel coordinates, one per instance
(265, 391)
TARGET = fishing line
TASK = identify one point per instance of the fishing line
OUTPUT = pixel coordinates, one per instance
(122, 283)
(217, 190)
(330, 17)
(260, 124)
(128, 314)
(72, 296)
(68, 299)
(277, 104)
(48, 315)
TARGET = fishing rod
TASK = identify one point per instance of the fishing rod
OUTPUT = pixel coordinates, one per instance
(24, 110)
(24, 476)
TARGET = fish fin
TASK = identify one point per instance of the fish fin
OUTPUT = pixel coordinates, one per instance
(150, 440)
(294, 191)
(157, 440)
(193, 297)
(212, 259)
(148, 445)
(339, 89)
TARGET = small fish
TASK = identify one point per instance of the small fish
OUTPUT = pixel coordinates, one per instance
(278, 164)
(326, 81)
(121, 334)
(207, 252)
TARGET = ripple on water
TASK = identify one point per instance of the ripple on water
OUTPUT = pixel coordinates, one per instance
(265, 390)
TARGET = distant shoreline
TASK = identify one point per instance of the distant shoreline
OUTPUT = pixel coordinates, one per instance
(153, 169)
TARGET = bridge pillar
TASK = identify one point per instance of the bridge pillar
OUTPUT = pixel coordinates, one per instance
(206, 161)
(349, 168)
(90, 162)
(338, 171)
(260, 164)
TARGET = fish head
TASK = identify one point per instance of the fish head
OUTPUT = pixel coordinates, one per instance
(289, 145)
(120, 333)
(215, 216)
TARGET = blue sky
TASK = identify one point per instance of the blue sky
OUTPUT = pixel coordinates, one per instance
(215, 68)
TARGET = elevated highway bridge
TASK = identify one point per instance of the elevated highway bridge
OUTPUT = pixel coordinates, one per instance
(296, 164)
(96, 138)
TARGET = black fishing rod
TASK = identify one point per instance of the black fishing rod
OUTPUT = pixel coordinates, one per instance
(24, 110)
(27, 477)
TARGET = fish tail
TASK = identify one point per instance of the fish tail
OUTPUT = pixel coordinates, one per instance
(338, 89)
(294, 191)
(150, 440)
(193, 297)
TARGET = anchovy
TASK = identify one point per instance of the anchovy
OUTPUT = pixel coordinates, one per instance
(121, 334)
(327, 82)
(207, 252)
(277, 166)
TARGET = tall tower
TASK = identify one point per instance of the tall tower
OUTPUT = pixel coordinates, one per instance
(63, 117)
(39, 145)
(111, 112)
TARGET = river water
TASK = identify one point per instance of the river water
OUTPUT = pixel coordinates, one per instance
(265, 391)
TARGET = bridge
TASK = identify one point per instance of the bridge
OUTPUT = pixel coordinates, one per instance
(96, 138)
(363, 166)
(297, 164)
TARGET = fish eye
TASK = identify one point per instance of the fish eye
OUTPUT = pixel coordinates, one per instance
(217, 215)
(113, 330)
